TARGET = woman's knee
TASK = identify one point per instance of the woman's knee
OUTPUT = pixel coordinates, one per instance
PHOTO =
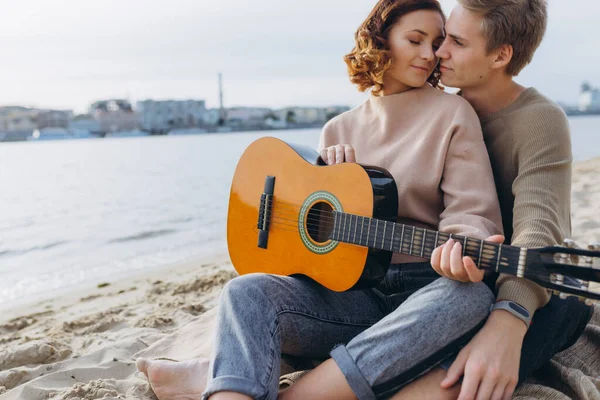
(245, 285)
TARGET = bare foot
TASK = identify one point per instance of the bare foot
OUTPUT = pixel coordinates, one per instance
(170, 380)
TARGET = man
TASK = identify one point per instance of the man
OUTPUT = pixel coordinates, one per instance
(488, 42)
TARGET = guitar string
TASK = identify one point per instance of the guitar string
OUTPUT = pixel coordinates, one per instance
(488, 256)
(327, 215)
(508, 268)
(419, 234)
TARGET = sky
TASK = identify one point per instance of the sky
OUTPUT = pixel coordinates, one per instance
(68, 53)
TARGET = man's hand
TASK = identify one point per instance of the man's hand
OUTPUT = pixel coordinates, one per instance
(490, 362)
(447, 260)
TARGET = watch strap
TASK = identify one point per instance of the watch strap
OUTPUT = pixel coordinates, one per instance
(515, 309)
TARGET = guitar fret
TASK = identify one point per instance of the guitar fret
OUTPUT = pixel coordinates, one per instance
(498, 260)
(362, 226)
(412, 239)
(423, 241)
(437, 238)
(480, 251)
(376, 228)
(464, 246)
(392, 241)
(402, 238)
(383, 240)
(335, 223)
(355, 226)
(349, 227)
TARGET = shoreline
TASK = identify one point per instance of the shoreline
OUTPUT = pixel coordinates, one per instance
(100, 287)
(83, 342)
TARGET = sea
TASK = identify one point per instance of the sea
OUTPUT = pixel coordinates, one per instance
(95, 210)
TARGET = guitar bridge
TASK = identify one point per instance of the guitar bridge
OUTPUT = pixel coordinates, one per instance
(264, 212)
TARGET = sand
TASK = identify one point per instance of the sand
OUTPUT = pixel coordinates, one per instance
(83, 344)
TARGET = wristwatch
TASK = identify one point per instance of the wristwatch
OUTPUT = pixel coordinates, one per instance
(515, 309)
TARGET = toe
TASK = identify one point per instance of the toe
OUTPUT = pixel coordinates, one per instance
(142, 365)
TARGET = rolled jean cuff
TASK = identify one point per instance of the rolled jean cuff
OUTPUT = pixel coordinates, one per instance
(357, 381)
(234, 384)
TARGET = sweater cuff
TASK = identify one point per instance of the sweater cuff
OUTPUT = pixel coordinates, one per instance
(523, 292)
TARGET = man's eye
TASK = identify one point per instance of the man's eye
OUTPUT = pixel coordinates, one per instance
(457, 42)
(414, 42)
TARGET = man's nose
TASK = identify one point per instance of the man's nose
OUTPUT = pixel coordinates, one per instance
(442, 52)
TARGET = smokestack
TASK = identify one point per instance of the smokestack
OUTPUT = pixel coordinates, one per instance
(221, 108)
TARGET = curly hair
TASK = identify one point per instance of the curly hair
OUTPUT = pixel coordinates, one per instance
(371, 58)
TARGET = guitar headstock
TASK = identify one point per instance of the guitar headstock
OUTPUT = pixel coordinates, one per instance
(567, 270)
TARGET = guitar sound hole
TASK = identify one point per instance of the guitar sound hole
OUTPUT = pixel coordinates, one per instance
(319, 224)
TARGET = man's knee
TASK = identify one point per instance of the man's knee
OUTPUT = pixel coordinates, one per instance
(470, 300)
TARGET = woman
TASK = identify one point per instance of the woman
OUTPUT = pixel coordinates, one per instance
(379, 339)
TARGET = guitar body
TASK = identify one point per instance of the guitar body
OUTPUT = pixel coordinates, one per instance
(292, 237)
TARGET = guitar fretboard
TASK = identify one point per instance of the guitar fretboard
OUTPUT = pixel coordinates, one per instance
(420, 242)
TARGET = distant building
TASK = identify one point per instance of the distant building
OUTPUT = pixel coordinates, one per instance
(19, 121)
(247, 117)
(162, 116)
(211, 117)
(589, 98)
(84, 122)
(53, 119)
(114, 115)
(303, 115)
(28, 119)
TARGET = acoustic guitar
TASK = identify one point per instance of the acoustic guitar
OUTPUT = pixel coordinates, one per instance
(290, 214)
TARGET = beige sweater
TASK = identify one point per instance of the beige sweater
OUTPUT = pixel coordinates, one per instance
(530, 150)
(431, 143)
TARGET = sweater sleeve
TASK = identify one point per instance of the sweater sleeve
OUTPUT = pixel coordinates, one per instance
(542, 191)
(471, 205)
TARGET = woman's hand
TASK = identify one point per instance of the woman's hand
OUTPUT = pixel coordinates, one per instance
(447, 260)
(338, 154)
(490, 362)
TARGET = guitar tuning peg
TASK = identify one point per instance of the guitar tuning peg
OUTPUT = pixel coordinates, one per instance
(589, 261)
(566, 258)
(562, 295)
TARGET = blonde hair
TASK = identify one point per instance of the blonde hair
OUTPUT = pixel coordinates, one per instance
(370, 58)
(518, 23)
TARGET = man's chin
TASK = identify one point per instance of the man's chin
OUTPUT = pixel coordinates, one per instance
(449, 82)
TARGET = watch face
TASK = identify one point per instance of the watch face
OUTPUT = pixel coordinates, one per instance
(521, 310)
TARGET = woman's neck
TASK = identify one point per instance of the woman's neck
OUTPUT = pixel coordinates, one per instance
(393, 86)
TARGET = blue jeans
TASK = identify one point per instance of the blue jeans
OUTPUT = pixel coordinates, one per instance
(380, 338)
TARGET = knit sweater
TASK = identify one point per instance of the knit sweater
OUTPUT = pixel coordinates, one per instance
(530, 149)
(431, 143)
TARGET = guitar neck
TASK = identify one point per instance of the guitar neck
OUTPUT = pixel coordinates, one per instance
(420, 242)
